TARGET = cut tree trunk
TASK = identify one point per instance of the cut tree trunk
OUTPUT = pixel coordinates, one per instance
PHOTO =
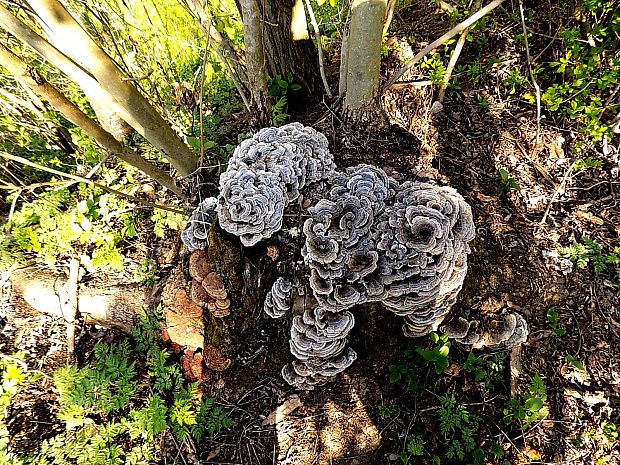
(113, 306)
(255, 58)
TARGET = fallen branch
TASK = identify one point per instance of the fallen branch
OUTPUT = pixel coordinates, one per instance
(111, 306)
(556, 193)
(69, 306)
(442, 40)
(529, 67)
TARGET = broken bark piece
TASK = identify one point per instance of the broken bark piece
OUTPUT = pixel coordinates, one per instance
(191, 365)
(199, 265)
(215, 360)
(184, 322)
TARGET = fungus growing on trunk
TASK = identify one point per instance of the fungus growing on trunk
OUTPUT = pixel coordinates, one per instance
(278, 299)
(195, 236)
(318, 341)
(265, 173)
(367, 238)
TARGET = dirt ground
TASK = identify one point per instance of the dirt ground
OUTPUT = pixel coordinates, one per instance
(513, 266)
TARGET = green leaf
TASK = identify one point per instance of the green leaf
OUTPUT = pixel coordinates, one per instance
(575, 362)
(534, 404)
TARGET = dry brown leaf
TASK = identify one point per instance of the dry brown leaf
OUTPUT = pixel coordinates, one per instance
(283, 410)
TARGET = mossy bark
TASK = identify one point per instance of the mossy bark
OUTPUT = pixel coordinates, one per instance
(242, 275)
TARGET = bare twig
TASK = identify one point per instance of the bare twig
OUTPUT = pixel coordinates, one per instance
(68, 304)
(556, 193)
(201, 98)
(319, 47)
(89, 181)
(529, 67)
(443, 39)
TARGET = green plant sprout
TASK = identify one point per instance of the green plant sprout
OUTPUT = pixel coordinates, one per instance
(553, 319)
(531, 407)
(437, 355)
(575, 362)
(415, 447)
(507, 183)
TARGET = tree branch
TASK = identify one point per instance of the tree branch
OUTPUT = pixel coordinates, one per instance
(442, 40)
(89, 181)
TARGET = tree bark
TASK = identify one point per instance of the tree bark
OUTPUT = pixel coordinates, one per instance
(288, 47)
(256, 61)
(364, 59)
(73, 41)
(30, 77)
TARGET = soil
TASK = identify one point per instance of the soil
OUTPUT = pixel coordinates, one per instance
(511, 267)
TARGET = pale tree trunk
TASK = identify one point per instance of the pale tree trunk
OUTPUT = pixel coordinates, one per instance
(256, 61)
(30, 77)
(363, 63)
(73, 41)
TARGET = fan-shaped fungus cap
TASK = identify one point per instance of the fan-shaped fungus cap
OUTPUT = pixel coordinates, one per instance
(374, 240)
(278, 299)
(306, 376)
(265, 173)
(196, 233)
(215, 359)
(199, 265)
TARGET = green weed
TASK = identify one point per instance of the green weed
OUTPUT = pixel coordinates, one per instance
(553, 319)
(531, 407)
(507, 183)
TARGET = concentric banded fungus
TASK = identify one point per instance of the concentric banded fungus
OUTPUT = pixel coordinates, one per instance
(278, 300)
(318, 341)
(507, 333)
(403, 245)
(196, 233)
(266, 173)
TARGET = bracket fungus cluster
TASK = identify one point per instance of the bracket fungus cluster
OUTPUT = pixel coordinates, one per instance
(278, 299)
(509, 332)
(403, 245)
(207, 289)
(367, 238)
(195, 236)
(265, 174)
(319, 343)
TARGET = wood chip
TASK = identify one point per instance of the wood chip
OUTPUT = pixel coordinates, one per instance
(286, 408)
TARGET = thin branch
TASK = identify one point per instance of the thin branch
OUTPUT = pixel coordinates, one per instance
(451, 64)
(23, 72)
(442, 40)
(344, 55)
(453, 59)
(319, 47)
(88, 181)
(529, 67)
(201, 98)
